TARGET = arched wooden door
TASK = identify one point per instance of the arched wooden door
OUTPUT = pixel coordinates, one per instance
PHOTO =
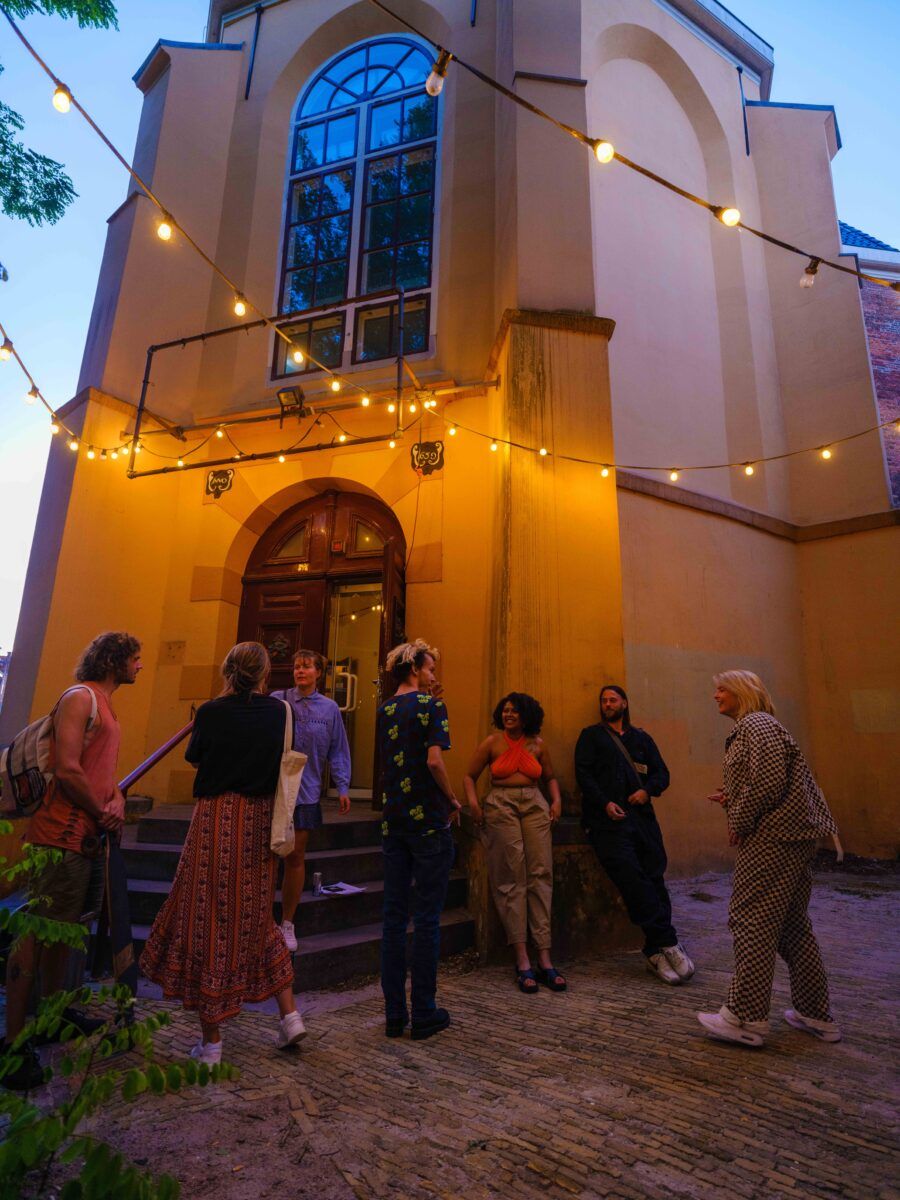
(328, 575)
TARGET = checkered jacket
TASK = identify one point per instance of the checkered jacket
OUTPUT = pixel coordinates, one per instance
(769, 787)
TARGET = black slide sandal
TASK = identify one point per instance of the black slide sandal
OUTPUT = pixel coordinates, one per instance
(551, 978)
(523, 977)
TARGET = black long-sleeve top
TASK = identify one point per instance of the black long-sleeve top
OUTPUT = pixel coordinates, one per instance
(604, 774)
(236, 745)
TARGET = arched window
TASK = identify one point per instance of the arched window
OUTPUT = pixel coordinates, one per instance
(359, 220)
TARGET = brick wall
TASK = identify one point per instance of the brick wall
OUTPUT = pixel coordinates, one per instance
(881, 308)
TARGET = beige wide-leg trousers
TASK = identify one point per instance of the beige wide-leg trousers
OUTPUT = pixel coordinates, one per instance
(520, 862)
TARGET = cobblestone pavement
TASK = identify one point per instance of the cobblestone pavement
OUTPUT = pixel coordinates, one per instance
(608, 1091)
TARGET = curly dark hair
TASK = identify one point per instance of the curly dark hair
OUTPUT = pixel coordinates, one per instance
(106, 655)
(530, 712)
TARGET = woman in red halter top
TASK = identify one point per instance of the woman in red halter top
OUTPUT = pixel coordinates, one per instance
(518, 822)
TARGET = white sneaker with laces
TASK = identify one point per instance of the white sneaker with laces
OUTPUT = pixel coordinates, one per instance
(678, 960)
(290, 935)
(825, 1031)
(726, 1027)
(292, 1030)
(659, 965)
(207, 1052)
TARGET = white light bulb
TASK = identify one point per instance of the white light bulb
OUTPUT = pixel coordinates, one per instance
(807, 281)
(392, 407)
(412, 408)
(54, 426)
(729, 216)
(297, 356)
(240, 306)
(180, 463)
(365, 402)
(114, 454)
(392, 444)
(91, 452)
(342, 437)
(6, 350)
(604, 472)
(281, 458)
(543, 452)
(335, 385)
(826, 453)
(435, 81)
(31, 395)
(604, 152)
(73, 445)
(220, 433)
(493, 446)
(62, 98)
(749, 469)
(452, 431)
(673, 475)
(164, 231)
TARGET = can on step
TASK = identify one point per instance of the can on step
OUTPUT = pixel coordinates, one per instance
(317, 883)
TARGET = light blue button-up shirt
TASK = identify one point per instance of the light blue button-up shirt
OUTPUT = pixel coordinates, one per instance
(320, 734)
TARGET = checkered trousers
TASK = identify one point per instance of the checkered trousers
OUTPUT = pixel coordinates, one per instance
(768, 914)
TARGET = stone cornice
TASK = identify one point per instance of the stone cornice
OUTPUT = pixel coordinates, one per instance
(571, 322)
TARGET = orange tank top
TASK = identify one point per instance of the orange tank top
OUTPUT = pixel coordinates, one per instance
(60, 822)
(515, 760)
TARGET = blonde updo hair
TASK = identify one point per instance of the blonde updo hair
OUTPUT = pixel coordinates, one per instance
(408, 657)
(752, 694)
(245, 669)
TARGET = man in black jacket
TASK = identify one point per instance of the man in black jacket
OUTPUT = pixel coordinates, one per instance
(619, 771)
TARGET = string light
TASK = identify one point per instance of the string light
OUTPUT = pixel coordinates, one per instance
(808, 278)
(281, 458)
(673, 475)
(335, 385)
(543, 452)
(6, 350)
(434, 84)
(392, 407)
(62, 98)
(240, 306)
(392, 444)
(452, 431)
(412, 408)
(103, 456)
(604, 152)
(748, 468)
(297, 356)
(365, 402)
(342, 437)
(825, 452)
(164, 229)
(139, 447)
(728, 216)
(494, 446)
(220, 432)
(604, 472)
(180, 463)
(73, 444)
(114, 454)
(54, 425)
(91, 452)
(31, 395)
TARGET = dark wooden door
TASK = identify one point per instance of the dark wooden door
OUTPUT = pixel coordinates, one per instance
(284, 616)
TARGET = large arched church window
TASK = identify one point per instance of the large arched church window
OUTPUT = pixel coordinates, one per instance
(359, 221)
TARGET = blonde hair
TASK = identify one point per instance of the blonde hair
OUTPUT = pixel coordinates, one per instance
(245, 669)
(752, 694)
(408, 657)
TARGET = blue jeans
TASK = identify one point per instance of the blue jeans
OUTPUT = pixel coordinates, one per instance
(416, 866)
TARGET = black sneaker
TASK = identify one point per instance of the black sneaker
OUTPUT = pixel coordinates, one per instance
(28, 1075)
(394, 1029)
(438, 1020)
(83, 1025)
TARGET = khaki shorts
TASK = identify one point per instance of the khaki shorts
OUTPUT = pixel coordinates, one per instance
(70, 890)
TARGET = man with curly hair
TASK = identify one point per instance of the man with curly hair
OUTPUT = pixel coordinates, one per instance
(82, 802)
(419, 805)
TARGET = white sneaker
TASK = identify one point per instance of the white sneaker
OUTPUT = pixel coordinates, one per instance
(207, 1052)
(659, 965)
(825, 1031)
(290, 935)
(726, 1027)
(678, 960)
(292, 1030)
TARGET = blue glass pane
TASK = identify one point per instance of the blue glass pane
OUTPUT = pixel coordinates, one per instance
(414, 218)
(355, 85)
(298, 291)
(415, 334)
(380, 226)
(378, 271)
(334, 238)
(345, 67)
(384, 128)
(317, 99)
(417, 170)
(374, 334)
(305, 200)
(415, 69)
(412, 264)
(337, 192)
(387, 54)
(302, 246)
(419, 118)
(326, 342)
(376, 77)
(383, 178)
(341, 138)
(309, 148)
(330, 282)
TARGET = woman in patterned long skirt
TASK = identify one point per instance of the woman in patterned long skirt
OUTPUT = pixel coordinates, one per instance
(215, 944)
(776, 812)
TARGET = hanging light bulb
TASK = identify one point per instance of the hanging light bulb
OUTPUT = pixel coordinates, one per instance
(808, 278)
(103, 456)
(73, 445)
(114, 454)
(543, 452)
(494, 446)
(31, 395)
(91, 452)
(220, 432)
(392, 444)
(62, 98)
(335, 385)
(825, 452)
(435, 81)
(728, 216)
(749, 469)
(6, 350)
(673, 475)
(365, 402)
(604, 472)
(180, 463)
(164, 228)
(342, 437)
(240, 306)
(54, 425)
(139, 447)
(392, 407)
(297, 356)
(412, 408)
(452, 431)
(281, 458)
(604, 152)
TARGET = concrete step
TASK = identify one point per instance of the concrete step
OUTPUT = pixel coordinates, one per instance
(316, 914)
(168, 825)
(359, 864)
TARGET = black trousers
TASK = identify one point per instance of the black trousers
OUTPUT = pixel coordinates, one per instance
(632, 854)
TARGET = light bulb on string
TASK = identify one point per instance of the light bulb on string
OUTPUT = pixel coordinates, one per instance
(728, 216)
(6, 350)
(543, 452)
(114, 454)
(412, 408)
(297, 356)
(91, 452)
(825, 452)
(220, 432)
(604, 151)
(240, 306)
(180, 463)
(103, 456)
(673, 475)
(31, 395)
(281, 458)
(435, 81)
(452, 431)
(54, 425)
(604, 472)
(62, 98)
(335, 385)
(139, 447)
(73, 444)
(808, 278)
(365, 401)
(342, 437)
(749, 469)
(494, 446)
(392, 444)
(392, 407)
(164, 228)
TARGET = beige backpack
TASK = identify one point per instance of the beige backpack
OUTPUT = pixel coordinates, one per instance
(25, 763)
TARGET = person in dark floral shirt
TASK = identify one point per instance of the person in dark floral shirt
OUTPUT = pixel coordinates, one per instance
(413, 731)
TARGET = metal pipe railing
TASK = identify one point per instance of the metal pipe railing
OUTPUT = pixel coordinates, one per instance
(154, 758)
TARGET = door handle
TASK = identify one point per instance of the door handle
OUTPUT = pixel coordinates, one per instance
(354, 692)
(346, 707)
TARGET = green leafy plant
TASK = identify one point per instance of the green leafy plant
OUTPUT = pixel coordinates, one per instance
(35, 188)
(38, 1134)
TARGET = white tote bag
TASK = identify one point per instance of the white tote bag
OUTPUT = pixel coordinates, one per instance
(281, 841)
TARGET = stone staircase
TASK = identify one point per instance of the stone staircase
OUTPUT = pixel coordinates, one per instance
(339, 936)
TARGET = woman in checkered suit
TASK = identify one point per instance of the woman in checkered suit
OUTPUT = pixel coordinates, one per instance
(776, 812)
